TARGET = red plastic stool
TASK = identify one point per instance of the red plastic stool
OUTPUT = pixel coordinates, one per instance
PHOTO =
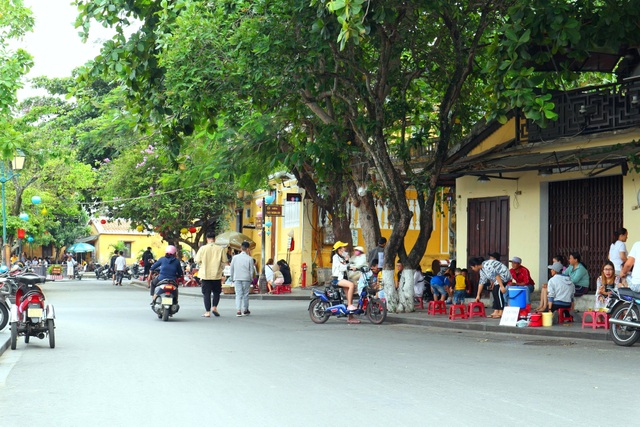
(597, 320)
(475, 309)
(457, 311)
(418, 303)
(437, 307)
(564, 315)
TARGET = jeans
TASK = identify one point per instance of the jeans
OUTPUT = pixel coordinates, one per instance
(459, 296)
(209, 287)
(242, 294)
(119, 276)
(438, 290)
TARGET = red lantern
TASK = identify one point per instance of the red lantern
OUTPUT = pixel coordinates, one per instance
(21, 233)
(103, 221)
(192, 230)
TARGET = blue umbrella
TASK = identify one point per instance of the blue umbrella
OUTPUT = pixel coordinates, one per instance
(81, 247)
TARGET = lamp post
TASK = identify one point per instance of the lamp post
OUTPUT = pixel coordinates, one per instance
(16, 164)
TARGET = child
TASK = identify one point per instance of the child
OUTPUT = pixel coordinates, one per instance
(460, 289)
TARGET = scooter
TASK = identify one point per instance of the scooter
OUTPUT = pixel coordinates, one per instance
(5, 305)
(330, 302)
(30, 317)
(166, 299)
(623, 306)
(78, 272)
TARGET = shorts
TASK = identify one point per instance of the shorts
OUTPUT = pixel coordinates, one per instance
(438, 290)
(459, 296)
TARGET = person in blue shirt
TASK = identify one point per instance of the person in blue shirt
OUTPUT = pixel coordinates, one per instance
(169, 267)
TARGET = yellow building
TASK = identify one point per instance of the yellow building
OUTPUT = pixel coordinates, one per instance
(312, 242)
(105, 233)
(535, 192)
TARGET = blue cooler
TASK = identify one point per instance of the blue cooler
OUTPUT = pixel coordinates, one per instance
(518, 296)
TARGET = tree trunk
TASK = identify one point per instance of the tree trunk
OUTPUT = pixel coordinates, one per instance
(369, 222)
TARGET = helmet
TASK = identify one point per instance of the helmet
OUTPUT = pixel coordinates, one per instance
(171, 250)
(3, 269)
(339, 245)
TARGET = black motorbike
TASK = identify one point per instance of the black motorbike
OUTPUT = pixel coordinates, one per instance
(166, 299)
(103, 272)
(623, 306)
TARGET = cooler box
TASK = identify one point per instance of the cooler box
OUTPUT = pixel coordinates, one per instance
(518, 296)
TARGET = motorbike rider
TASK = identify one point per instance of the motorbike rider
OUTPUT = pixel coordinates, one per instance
(170, 268)
(338, 271)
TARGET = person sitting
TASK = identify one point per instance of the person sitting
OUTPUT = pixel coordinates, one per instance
(169, 267)
(418, 282)
(286, 271)
(356, 262)
(605, 283)
(578, 274)
(521, 275)
(544, 302)
(560, 288)
(268, 275)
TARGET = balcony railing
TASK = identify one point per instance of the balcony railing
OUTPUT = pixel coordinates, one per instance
(588, 110)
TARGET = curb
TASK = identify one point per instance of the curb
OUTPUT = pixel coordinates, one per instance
(554, 331)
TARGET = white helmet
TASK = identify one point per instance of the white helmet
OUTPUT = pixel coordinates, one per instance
(171, 250)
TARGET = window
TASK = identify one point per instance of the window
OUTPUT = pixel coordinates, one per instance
(291, 214)
(127, 249)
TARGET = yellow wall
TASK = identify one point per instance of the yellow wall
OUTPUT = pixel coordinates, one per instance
(306, 239)
(139, 243)
(505, 133)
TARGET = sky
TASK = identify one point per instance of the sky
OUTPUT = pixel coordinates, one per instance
(54, 44)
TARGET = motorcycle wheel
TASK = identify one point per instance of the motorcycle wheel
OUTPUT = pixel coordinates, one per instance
(4, 316)
(165, 315)
(52, 336)
(376, 311)
(317, 311)
(14, 335)
(624, 335)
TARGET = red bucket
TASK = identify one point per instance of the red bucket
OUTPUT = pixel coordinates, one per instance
(535, 320)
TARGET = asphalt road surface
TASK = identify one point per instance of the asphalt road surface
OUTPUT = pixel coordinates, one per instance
(116, 364)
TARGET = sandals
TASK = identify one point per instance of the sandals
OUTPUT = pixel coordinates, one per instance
(206, 315)
(353, 321)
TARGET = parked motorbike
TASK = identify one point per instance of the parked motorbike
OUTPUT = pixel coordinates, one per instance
(103, 272)
(5, 306)
(78, 272)
(166, 299)
(623, 306)
(136, 270)
(30, 317)
(330, 302)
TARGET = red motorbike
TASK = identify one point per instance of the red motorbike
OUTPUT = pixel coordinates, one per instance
(30, 317)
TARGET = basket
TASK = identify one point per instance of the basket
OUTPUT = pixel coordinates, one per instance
(228, 290)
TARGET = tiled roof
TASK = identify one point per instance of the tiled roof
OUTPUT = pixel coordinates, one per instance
(115, 226)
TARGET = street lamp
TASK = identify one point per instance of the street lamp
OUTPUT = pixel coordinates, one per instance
(16, 164)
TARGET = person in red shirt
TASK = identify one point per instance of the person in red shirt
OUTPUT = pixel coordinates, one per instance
(521, 275)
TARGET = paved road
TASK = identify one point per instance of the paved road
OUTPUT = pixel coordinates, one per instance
(115, 363)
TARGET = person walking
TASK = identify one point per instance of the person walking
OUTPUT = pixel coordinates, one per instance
(211, 259)
(147, 261)
(120, 266)
(112, 266)
(241, 273)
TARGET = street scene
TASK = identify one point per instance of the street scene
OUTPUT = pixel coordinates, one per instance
(301, 213)
(116, 363)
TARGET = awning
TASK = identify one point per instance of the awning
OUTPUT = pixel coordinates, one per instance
(87, 239)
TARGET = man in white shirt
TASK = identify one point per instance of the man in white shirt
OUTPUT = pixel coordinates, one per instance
(120, 265)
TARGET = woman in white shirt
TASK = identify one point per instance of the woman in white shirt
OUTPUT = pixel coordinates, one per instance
(339, 264)
(618, 250)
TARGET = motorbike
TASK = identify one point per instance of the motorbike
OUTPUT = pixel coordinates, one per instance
(5, 306)
(103, 272)
(166, 299)
(30, 317)
(623, 306)
(330, 301)
(78, 272)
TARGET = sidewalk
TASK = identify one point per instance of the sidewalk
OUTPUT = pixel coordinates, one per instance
(420, 318)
